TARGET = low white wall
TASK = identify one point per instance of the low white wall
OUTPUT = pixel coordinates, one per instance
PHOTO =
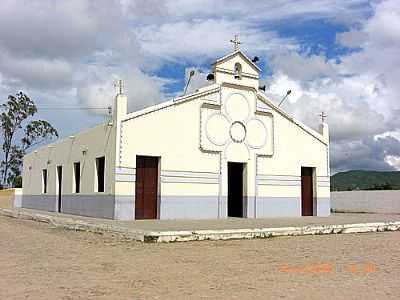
(366, 201)
(18, 197)
(10, 198)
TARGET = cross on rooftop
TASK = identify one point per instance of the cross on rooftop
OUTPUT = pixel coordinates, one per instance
(323, 116)
(119, 86)
(236, 42)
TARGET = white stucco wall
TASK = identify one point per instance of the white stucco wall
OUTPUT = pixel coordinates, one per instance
(84, 147)
(173, 134)
(193, 168)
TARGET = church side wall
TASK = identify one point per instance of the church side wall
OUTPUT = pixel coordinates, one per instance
(84, 148)
(279, 176)
(189, 177)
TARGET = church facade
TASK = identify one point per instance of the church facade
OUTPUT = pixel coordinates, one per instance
(223, 151)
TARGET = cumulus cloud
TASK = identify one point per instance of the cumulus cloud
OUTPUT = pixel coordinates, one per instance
(98, 90)
(78, 45)
(198, 41)
(367, 152)
(66, 29)
(352, 39)
(36, 71)
(359, 92)
(303, 67)
(254, 10)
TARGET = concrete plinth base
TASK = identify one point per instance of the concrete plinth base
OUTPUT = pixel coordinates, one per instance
(155, 231)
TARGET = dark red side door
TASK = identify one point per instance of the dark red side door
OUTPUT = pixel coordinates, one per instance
(146, 187)
(306, 191)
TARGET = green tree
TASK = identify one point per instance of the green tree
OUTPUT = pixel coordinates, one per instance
(14, 122)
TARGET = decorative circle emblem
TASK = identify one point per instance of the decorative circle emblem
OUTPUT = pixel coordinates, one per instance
(236, 127)
(237, 107)
(217, 127)
(237, 132)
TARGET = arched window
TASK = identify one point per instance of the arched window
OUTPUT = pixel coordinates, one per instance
(238, 71)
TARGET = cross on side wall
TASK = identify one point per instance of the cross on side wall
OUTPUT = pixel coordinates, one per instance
(323, 116)
(119, 86)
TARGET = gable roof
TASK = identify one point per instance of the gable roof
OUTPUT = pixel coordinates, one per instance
(238, 52)
(207, 90)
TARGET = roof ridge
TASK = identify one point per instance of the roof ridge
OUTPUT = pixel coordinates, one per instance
(233, 54)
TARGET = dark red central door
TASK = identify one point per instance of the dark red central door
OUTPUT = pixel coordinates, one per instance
(146, 187)
(306, 191)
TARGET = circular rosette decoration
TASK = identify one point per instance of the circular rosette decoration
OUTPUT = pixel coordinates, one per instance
(257, 133)
(217, 128)
(235, 125)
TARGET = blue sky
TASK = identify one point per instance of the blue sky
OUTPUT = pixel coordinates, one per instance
(337, 56)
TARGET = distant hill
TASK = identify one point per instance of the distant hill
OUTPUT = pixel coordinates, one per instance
(365, 180)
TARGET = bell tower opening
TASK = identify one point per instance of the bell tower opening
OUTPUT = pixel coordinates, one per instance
(238, 71)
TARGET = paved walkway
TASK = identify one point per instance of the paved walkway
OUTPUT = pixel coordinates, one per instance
(231, 228)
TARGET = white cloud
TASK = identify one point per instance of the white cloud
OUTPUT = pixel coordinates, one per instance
(352, 39)
(98, 90)
(303, 67)
(393, 161)
(280, 84)
(197, 41)
(254, 10)
(359, 93)
(36, 71)
(80, 45)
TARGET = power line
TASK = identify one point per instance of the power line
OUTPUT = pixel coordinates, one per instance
(73, 108)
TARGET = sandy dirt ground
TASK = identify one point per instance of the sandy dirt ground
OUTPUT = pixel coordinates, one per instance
(40, 262)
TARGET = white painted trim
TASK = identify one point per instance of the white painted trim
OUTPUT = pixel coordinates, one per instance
(125, 171)
(265, 130)
(226, 57)
(278, 177)
(169, 179)
(125, 177)
(189, 174)
(323, 179)
(210, 138)
(244, 74)
(279, 182)
(172, 102)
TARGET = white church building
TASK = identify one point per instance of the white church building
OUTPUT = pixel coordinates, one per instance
(223, 151)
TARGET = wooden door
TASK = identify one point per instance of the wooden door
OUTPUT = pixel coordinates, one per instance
(146, 187)
(306, 191)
